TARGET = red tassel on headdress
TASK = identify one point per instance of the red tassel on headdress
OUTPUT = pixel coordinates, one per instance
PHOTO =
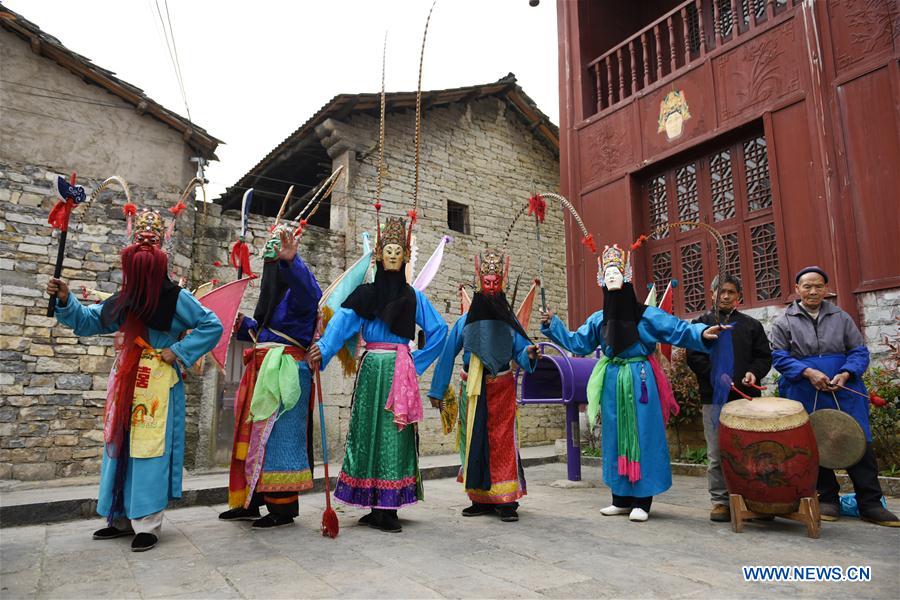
(588, 241)
(639, 242)
(129, 210)
(537, 206)
(413, 217)
(178, 208)
(240, 258)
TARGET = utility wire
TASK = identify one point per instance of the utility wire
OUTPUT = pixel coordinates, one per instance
(172, 58)
(177, 61)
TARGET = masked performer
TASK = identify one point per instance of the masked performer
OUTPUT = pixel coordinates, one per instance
(144, 416)
(627, 385)
(271, 459)
(490, 336)
(380, 469)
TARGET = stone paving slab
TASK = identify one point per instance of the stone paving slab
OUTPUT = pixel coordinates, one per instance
(30, 503)
(561, 548)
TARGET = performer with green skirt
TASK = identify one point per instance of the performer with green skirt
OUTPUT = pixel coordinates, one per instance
(380, 469)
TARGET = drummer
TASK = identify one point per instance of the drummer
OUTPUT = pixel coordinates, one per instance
(817, 348)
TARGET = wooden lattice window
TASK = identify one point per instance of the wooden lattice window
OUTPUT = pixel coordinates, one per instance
(766, 270)
(721, 185)
(661, 269)
(759, 186)
(687, 194)
(732, 254)
(692, 280)
(730, 189)
(659, 209)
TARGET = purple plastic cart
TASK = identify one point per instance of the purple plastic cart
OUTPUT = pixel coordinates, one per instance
(562, 380)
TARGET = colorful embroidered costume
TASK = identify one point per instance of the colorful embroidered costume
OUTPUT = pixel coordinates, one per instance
(144, 416)
(272, 455)
(627, 387)
(380, 467)
(490, 336)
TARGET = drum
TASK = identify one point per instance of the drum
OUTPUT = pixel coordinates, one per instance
(769, 453)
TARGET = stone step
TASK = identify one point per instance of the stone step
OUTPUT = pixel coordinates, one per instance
(31, 503)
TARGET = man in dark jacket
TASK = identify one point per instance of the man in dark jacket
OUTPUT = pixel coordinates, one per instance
(752, 361)
(819, 351)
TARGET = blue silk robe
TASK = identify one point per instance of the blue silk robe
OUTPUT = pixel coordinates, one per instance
(656, 326)
(151, 482)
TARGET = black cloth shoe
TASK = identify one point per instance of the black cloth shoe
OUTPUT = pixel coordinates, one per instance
(829, 512)
(368, 519)
(880, 516)
(240, 514)
(386, 520)
(111, 533)
(478, 509)
(508, 514)
(269, 521)
(143, 542)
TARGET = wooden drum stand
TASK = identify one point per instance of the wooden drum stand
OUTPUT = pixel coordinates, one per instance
(808, 514)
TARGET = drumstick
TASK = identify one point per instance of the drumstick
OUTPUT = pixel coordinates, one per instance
(759, 387)
(874, 398)
(743, 395)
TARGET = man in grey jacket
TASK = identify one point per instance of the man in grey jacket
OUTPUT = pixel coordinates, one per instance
(818, 349)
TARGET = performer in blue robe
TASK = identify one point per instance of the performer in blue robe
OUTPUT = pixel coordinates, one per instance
(271, 459)
(627, 387)
(145, 413)
(490, 336)
(380, 469)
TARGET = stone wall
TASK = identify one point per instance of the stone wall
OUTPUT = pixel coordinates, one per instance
(880, 318)
(53, 384)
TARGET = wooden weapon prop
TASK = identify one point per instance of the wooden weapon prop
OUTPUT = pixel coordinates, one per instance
(72, 195)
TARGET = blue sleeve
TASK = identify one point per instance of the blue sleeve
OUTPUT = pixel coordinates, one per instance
(344, 324)
(789, 367)
(206, 329)
(857, 361)
(247, 325)
(520, 347)
(669, 329)
(581, 342)
(443, 372)
(431, 322)
(304, 287)
(84, 320)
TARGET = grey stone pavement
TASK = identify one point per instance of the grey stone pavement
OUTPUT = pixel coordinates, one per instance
(561, 548)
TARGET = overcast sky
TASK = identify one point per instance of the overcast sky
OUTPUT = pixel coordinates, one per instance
(254, 71)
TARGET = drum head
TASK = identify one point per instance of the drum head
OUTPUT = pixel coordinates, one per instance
(840, 439)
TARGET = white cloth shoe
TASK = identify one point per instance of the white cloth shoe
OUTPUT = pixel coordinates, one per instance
(612, 510)
(639, 515)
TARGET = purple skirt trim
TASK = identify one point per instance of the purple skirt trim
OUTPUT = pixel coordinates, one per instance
(371, 497)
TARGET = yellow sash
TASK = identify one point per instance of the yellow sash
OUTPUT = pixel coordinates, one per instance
(150, 407)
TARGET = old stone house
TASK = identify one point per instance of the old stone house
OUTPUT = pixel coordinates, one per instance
(483, 148)
(62, 113)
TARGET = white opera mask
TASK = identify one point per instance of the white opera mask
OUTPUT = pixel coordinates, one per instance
(613, 279)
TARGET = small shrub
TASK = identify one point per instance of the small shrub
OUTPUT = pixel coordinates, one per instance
(695, 456)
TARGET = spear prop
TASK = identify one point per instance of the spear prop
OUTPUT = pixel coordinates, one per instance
(240, 253)
(70, 196)
(538, 207)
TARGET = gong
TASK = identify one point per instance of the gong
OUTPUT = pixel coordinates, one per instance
(840, 439)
